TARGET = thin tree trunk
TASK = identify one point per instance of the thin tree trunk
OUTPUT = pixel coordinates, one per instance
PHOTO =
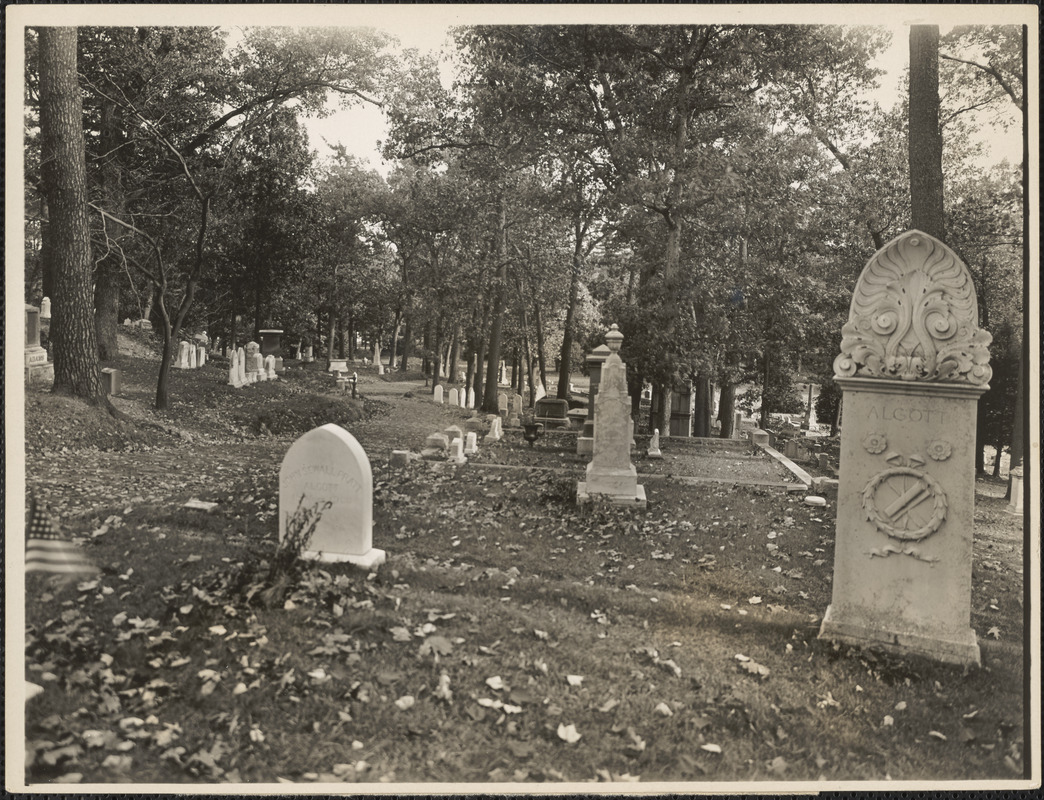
(541, 360)
(407, 340)
(925, 145)
(107, 307)
(64, 167)
(454, 355)
(489, 401)
(392, 358)
(565, 366)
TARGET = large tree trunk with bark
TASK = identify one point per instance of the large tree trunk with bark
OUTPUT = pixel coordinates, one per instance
(65, 183)
(727, 408)
(925, 145)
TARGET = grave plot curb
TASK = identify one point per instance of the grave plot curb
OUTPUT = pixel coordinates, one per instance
(798, 473)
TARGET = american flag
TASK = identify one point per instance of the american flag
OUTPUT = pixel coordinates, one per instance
(47, 551)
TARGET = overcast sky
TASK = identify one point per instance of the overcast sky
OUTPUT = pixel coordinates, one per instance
(360, 128)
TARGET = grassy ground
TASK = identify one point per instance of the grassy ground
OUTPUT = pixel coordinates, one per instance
(511, 637)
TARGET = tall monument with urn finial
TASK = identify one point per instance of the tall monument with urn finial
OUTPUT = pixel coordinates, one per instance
(611, 473)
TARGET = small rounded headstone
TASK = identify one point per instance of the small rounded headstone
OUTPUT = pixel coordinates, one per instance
(815, 500)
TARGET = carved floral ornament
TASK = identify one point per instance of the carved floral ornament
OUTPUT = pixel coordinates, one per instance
(914, 317)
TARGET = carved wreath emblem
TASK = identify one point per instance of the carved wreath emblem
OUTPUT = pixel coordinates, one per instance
(905, 503)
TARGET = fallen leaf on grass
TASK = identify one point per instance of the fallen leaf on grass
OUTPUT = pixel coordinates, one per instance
(442, 691)
(568, 733)
(711, 748)
(609, 705)
(405, 702)
(827, 700)
(400, 634)
(664, 710)
(755, 600)
(754, 668)
(496, 682)
(436, 645)
(888, 720)
(994, 632)
(778, 765)
(937, 735)
(574, 680)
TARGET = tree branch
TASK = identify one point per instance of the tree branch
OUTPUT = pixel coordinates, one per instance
(989, 69)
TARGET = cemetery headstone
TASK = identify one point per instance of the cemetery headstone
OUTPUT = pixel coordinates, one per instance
(234, 377)
(502, 404)
(327, 464)
(610, 472)
(45, 308)
(453, 432)
(191, 348)
(182, 361)
(456, 452)
(463, 398)
(400, 458)
(337, 365)
(1015, 504)
(38, 370)
(471, 444)
(201, 356)
(253, 357)
(110, 378)
(271, 345)
(471, 398)
(437, 396)
(737, 424)
(437, 440)
(453, 401)
(912, 367)
(758, 436)
(654, 445)
(308, 357)
(495, 431)
(241, 360)
(270, 367)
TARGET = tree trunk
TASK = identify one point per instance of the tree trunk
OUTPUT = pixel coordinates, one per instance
(454, 355)
(108, 273)
(73, 334)
(727, 408)
(407, 340)
(541, 360)
(701, 425)
(763, 420)
(565, 366)
(925, 136)
(107, 307)
(331, 336)
(437, 367)
(489, 400)
(392, 357)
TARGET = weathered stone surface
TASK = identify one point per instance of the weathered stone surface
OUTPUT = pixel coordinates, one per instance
(437, 395)
(654, 445)
(328, 465)
(611, 472)
(902, 564)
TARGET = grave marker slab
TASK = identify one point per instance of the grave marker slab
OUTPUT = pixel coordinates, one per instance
(437, 395)
(328, 464)
(453, 401)
(471, 444)
(912, 367)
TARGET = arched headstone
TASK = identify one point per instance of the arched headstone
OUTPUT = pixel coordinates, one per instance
(912, 367)
(327, 464)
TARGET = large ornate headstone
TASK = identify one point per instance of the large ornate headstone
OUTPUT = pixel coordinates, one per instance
(611, 473)
(328, 464)
(594, 361)
(912, 366)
